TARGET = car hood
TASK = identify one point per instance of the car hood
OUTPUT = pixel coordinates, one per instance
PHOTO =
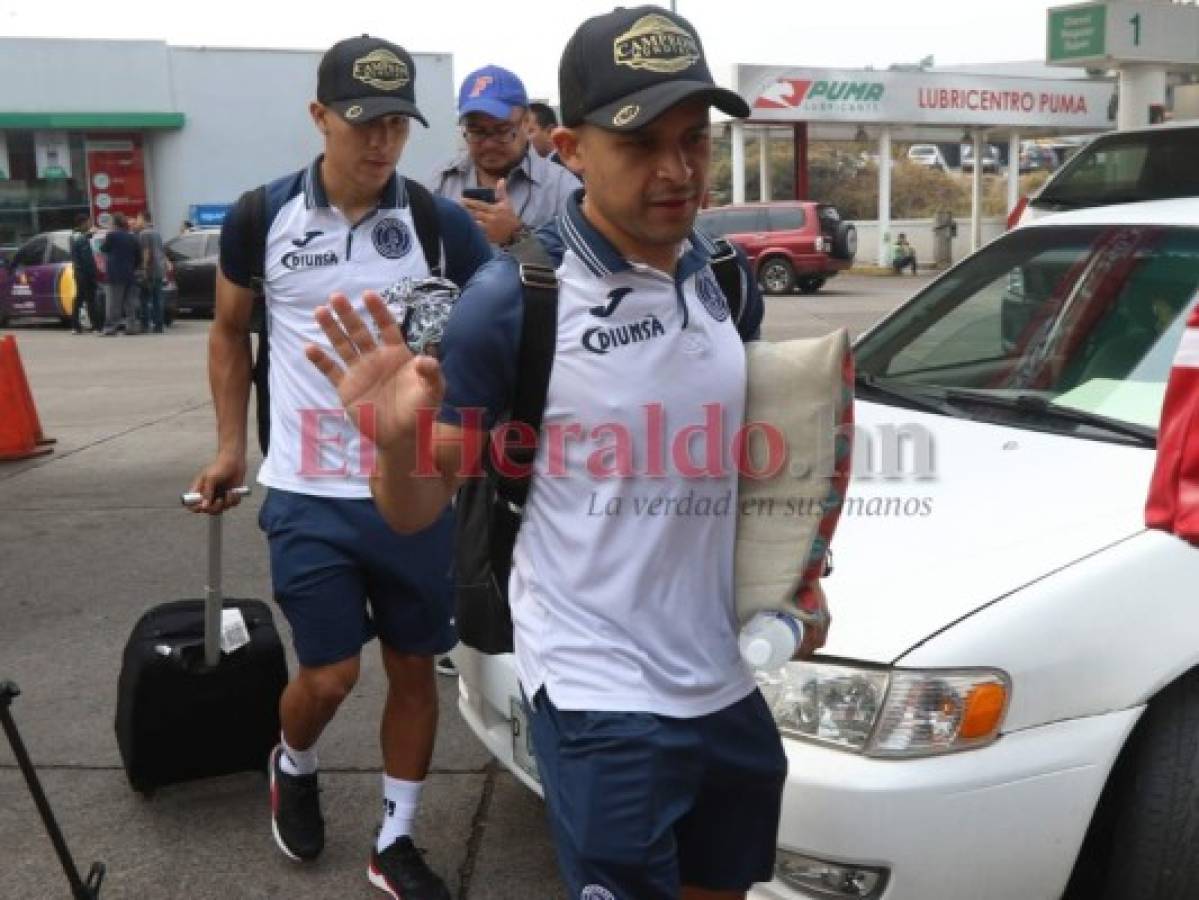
(1005, 507)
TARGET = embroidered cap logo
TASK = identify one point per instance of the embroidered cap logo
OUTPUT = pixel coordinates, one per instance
(381, 69)
(626, 115)
(481, 84)
(656, 44)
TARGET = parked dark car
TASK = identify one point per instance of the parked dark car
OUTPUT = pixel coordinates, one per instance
(790, 245)
(195, 254)
(38, 282)
(1036, 158)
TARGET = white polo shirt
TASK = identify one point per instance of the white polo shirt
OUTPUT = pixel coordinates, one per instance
(312, 251)
(622, 579)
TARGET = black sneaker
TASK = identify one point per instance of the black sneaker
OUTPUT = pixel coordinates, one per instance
(400, 871)
(296, 818)
(445, 666)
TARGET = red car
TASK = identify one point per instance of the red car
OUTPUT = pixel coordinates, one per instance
(790, 245)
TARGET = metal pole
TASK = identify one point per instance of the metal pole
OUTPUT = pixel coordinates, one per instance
(212, 596)
(738, 162)
(79, 890)
(1013, 170)
(764, 165)
(976, 194)
(884, 196)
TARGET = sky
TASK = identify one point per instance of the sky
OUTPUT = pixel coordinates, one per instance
(527, 36)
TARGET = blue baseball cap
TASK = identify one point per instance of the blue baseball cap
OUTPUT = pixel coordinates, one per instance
(493, 91)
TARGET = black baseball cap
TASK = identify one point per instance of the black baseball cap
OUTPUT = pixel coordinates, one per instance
(363, 78)
(622, 70)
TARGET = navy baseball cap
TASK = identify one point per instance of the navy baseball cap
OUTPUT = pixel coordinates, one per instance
(493, 91)
(622, 70)
(364, 78)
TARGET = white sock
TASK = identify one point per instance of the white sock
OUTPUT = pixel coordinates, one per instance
(400, 800)
(297, 762)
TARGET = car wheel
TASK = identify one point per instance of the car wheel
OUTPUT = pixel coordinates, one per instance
(845, 241)
(811, 284)
(777, 276)
(1143, 836)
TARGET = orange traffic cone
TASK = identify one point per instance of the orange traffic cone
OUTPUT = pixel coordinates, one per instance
(20, 431)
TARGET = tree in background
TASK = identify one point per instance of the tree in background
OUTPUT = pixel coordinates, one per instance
(846, 175)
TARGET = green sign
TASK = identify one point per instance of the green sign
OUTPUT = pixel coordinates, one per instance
(1077, 33)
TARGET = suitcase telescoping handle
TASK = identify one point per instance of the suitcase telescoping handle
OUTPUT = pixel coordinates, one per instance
(81, 889)
(213, 597)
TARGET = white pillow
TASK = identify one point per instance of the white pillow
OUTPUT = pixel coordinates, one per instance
(803, 390)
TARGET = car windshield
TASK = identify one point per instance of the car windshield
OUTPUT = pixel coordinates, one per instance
(1049, 328)
(1126, 168)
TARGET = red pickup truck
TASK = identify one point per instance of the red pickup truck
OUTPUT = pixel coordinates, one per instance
(790, 245)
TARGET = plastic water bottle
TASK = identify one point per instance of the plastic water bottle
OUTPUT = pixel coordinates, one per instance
(770, 639)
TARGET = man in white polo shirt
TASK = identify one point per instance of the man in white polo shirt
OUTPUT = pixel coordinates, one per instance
(662, 767)
(346, 222)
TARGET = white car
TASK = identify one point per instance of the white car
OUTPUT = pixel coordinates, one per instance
(1008, 705)
(928, 155)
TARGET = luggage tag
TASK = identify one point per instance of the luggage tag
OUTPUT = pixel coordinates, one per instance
(234, 634)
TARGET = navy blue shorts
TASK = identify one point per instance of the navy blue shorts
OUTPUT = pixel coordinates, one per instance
(341, 575)
(641, 804)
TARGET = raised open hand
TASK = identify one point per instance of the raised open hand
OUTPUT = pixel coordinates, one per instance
(382, 384)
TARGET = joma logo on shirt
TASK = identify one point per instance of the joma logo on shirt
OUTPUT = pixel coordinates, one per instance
(605, 340)
(295, 260)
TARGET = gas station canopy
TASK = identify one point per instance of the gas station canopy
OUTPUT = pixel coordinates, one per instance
(1028, 105)
(838, 104)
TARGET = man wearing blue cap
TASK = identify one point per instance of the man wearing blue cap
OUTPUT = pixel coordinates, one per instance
(507, 187)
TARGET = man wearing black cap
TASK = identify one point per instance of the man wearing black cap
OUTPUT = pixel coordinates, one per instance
(348, 224)
(662, 766)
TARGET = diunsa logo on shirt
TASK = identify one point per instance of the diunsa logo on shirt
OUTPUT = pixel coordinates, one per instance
(293, 260)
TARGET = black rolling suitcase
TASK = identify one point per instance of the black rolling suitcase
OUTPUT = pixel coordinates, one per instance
(81, 889)
(186, 709)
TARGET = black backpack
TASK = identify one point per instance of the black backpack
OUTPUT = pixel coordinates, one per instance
(428, 232)
(489, 508)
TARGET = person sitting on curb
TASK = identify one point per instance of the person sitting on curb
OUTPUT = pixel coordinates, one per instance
(903, 255)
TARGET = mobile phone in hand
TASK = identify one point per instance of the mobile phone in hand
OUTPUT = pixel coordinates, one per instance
(486, 195)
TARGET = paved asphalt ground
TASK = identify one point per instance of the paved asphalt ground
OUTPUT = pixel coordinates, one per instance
(93, 534)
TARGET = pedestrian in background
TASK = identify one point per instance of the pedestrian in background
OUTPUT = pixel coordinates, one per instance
(528, 191)
(83, 261)
(541, 122)
(121, 249)
(153, 266)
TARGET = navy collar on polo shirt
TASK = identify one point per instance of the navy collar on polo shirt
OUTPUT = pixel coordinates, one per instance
(602, 258)
(393, 196)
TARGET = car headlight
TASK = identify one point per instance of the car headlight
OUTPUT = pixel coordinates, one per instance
(888, 712)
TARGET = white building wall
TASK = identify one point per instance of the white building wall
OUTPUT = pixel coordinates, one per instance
(248, 122)
(52, 75)
(245, 112)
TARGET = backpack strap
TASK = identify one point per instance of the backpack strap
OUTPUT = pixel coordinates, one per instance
(535, 359)
(261, 370)
(428, 226)
(728, 272)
